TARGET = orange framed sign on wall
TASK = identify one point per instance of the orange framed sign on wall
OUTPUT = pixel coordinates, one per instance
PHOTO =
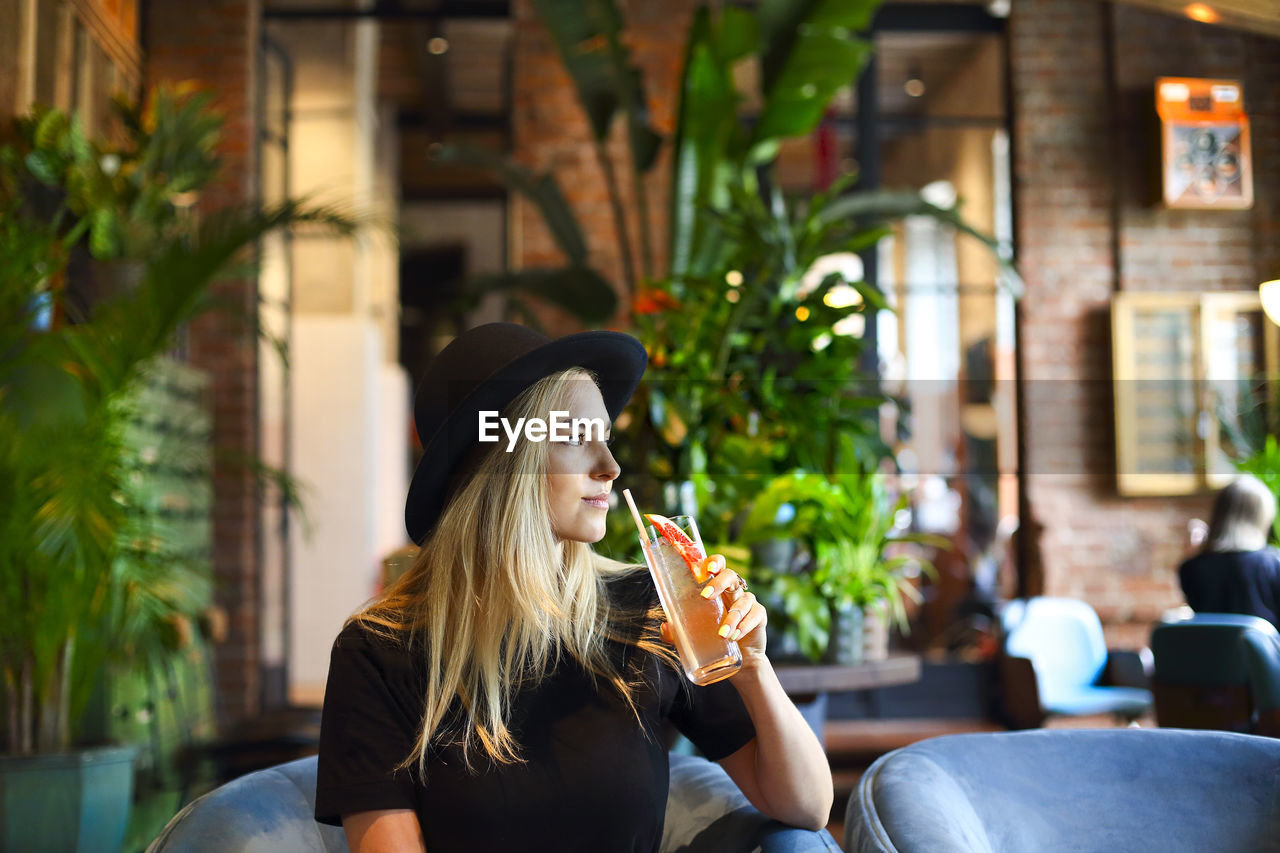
(1205, 143)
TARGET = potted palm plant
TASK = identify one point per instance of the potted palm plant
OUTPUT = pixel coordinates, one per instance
(81, 575)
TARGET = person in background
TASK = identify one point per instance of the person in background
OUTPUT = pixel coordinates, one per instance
(1236, 571)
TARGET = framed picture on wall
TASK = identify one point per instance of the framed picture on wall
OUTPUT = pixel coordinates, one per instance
(1206, 159)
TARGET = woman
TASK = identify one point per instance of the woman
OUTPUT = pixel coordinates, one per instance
(508, 693)
(1235, 571)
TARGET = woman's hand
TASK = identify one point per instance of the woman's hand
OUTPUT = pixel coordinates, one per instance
(744, 617)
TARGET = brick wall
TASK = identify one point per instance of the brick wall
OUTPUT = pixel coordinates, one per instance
(214, 43)
(551, 133)
(1088, 225)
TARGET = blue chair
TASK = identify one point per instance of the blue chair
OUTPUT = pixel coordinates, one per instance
(1217, 671)
(272, 811)
(1056, 662)
(1053, 791)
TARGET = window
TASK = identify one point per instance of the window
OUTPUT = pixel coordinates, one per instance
(72, 54)
(1191, 376)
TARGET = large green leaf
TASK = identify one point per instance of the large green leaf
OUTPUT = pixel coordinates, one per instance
(542, 190)
(784, 23)
(737, 35)
(707, 122)
(816, 52)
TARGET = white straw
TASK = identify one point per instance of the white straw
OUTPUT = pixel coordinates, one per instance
(635, 513)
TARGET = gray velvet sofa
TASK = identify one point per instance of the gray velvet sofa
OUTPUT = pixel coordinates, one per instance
(1132, 790)
(271, 811)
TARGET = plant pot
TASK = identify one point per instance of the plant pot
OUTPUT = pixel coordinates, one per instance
(858, 635)
(777, 555)
(875, 635)
(845, 645)
(70, 802)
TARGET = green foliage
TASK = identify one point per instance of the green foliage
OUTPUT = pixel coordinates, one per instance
(708, 134)
(808, 54)
(129, 197)
(858, 556)
(807, 50)
(162, 574)
(805, 611)
(736, 367)
(84, 581)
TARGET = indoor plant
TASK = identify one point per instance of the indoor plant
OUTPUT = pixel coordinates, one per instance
(744, 328)
(859, 562)
(736, 334)
(103, 258)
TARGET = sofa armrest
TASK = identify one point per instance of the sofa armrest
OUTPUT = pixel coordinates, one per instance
(707, 812)
(1019, 693)
(1128, 668)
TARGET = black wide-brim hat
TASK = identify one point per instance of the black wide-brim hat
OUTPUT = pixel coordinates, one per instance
(485, 369)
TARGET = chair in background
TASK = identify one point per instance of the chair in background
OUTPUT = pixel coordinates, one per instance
(1136, 790)
(1218, 671)
(1055, 661)
(272, 811)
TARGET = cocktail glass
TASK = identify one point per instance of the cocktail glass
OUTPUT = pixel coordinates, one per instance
(705, 656)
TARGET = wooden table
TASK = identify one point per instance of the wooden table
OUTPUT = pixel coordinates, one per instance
(808, 686)
(808, 680)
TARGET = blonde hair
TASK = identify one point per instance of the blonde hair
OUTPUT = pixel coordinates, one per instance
(490, 607)
(1242, 516)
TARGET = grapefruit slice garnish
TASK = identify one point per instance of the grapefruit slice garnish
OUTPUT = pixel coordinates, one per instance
(686, 547)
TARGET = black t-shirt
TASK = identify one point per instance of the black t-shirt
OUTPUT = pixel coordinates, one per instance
(594, 779)
(1245, 582)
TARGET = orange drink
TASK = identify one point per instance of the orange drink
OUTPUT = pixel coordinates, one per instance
(673, 549)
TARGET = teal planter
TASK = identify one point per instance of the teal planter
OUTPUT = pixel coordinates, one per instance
(846, 646)
(71, 802)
